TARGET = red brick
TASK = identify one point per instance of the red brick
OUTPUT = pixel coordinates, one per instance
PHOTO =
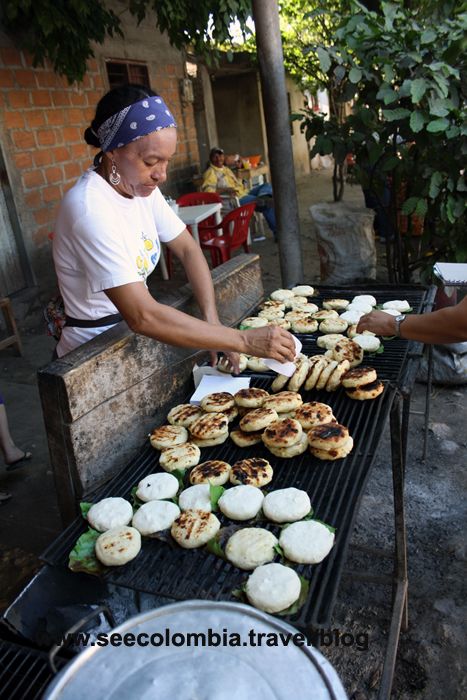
(74, 116)
(92, 65)
(71, 134)
(42, 157)
(14, 120)
(56, 117)
(72, 170)
(53, 175)
(44, 216)
(33, 199)
(23, 160)
(25, 78)
(45, 137)
(60, 98)
(46, 79)
(6, 78)
(41, 98)
(33, 178)
(10, 57)
(99, 82)
(35, 118)
(61, 154)
(78, 99)
(51, 194)
(23, 139)
(81, 150)
(19, 99)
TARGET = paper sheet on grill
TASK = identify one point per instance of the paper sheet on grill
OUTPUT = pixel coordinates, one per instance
(210, 380)
(285, 368)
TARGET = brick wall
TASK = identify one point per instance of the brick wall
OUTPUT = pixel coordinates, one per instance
(43, 118)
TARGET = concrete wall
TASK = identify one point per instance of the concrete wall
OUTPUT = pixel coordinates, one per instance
(42, 120)
(101, 400)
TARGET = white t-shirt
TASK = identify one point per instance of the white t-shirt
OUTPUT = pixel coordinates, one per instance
(103, 240)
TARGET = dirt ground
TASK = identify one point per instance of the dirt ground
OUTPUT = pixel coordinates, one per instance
(431, 658)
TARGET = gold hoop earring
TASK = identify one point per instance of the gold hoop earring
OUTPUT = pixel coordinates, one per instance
(114, 177)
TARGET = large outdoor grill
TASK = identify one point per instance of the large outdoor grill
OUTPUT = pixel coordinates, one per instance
(335, 489)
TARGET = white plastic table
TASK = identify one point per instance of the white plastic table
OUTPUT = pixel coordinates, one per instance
(192, 216)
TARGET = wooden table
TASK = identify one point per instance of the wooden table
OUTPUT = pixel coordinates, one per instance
(252, 176)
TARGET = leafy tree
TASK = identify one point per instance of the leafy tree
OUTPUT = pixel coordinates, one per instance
(62, 30)
(407, 77)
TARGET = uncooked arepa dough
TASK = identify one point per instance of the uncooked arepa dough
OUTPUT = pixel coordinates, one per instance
(155, 516)
(157, 486)
(273, 587)
(241, 502)
(286, 505)
(109, 513)
(306, 542)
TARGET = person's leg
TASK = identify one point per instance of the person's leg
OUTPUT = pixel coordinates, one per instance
(11, 453)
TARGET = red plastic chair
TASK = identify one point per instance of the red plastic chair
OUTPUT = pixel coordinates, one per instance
(234, 227)
(191, 199)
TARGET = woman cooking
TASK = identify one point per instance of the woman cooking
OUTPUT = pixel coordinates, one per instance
(108, 233)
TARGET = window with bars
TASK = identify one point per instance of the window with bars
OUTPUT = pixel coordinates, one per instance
(121, 72)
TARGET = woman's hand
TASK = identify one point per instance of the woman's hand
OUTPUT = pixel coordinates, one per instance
(270, 341)
(232, 359)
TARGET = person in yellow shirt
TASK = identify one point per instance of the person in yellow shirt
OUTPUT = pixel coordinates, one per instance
(220, 178)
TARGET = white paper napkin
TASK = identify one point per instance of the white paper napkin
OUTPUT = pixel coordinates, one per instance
(285, 368)
(210, 384)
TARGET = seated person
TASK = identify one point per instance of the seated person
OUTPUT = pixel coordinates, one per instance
(219, 178)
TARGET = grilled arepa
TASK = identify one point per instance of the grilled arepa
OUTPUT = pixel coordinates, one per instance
(254, 472)
(194, 528)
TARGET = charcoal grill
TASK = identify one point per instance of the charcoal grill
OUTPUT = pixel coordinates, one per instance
(335, 490)
(24, 673)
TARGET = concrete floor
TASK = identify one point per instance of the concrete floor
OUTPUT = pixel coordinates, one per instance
(430, 662)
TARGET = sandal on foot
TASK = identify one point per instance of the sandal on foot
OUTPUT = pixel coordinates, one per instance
(19, 462)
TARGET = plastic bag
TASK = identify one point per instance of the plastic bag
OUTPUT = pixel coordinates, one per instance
(449, 364)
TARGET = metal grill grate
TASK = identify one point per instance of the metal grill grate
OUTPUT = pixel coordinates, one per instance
(335, 489)
(24, 673)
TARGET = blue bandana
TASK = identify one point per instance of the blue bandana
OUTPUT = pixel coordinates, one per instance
(133, 122)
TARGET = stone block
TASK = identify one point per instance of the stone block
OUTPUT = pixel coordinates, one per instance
(100, 401)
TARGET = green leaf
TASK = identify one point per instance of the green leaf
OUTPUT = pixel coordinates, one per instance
(427, 36)
(324, 60)
(418, 89)
(279, 550)
(417, 120)
(435, 184)
(135, 501)
(390, 163)
(437, 125)
(355, 75)
(179, 474)
(82, 557)
(461, 184)
(215, 492)
(421, 208)
(395, 114)
(409, 205)
(215, 547)
(329, 527)
(84, 508)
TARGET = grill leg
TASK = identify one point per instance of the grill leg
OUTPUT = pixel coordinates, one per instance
(399, 617)
(429, 383)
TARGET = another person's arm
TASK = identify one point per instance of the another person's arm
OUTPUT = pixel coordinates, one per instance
(448, 325)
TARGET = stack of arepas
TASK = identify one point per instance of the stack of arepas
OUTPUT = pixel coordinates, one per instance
(362, 383)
